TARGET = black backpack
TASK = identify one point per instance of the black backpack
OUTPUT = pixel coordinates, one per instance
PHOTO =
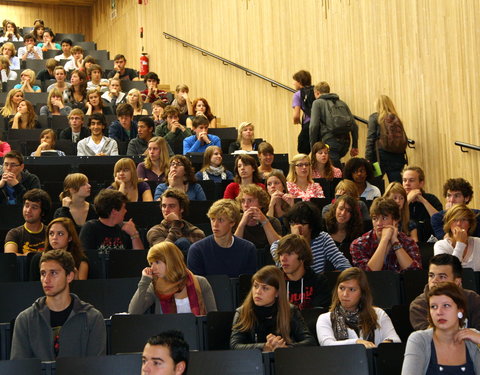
(308, 97)
(340, 121)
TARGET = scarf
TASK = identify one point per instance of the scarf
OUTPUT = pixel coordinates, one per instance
(342, 320)
(216, 171)
(165, 291)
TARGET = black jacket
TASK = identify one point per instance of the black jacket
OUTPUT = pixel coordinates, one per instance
(29, 181)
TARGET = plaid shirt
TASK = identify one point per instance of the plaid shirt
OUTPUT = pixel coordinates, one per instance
(363, 248)
(172, 231)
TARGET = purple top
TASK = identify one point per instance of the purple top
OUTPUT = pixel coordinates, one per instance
(297, 102)
(144, 172)
(142, 188)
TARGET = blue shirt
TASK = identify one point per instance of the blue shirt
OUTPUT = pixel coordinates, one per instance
(192, 144)
(195, 192)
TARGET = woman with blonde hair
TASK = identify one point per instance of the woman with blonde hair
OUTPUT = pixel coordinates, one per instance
(245, 141)
(25, 118)
(459, 225)
(169, 285)
(127, 182)
(299, 179)
(27, 78)
(5, 73)
(8, 50)
(14, 97)
(134, 98)
(155, 165)
(390, 163)
(396, 192)
(55, 105)
(212, 168)
(352, 318)
(266, 320)
(76, 190)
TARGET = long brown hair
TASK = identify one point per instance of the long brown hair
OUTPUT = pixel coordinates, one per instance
(397, 188)
(31, 117)
(272, 276)
(162, 145)
(318, 146)
(354, 227)
(207, 156)
(368, 317)
(208, 111)
(126, 163)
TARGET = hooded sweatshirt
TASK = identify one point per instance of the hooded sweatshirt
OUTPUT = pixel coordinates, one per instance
(311, 290)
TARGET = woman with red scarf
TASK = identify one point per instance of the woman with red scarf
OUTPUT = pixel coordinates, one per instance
(170, 286)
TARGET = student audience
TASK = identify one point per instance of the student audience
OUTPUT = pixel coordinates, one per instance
(246, 172)
(201, 140)
(8, 50)
(30, 51)
(60, 76)
(280, 200)
(48, 137)
(245, 141)
(27, 82)
(95, 104)
(10, 33)
(200, 106)
(76, 131)
(265, 157)
(322, 166)
(134, 98)
(138, 145)
(360, 171)
(37, 33)
(212, 168)
(183, 103)
(124, 128)
(77, 61)
(347, 187)
(299, 179)
(48, 43)
(13, 99)
(156, 165)
(76, 94)
(55, 105)
(25, 118)
(66, 54)
(6, 74)
(127, 182)
(171, 129)
(114, 95)
(96, 81)
(152, 93)
(120, 71)
(97, 144)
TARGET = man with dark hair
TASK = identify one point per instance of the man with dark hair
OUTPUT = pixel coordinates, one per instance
(456, 191)
(152, 93)
(173, 132)
(166, 354)
(385, 247)
(30, 237)
(305, 288)
(442, 268)
(109, 231)
(322, 125)
(201, 139)
(145, 129)
(120, 72)
(124, 128)
(97, 144)
(305, 219)
(30, 51)
(47, 73)
(58, 324)
(66, 49)
(15, 181)
(76, 131)
(173, 228)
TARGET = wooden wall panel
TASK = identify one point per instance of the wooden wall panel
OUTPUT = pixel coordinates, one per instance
(62, 19)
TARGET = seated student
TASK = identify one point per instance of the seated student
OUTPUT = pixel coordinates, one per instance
(347, 187)
(134, 98)
(114, 96)
(360, 171)
(94, 103)
(127, 182)
(157, 112)
(120, 72)
(13, 99)
(76, 131)
(201, 107)
(96, 81)
(75, 206)
(444, 268)
(76, 94)
(27, 78)
(37, 33)
(60, 76)
(171, 286)
(48, 43)
(48, 137)
(15, 181)
(299, 179)
(322, 166)
(138, 145)
(125, 127)
(8, 50)
(55, 105)
(4, 148)
(66, 46)
(181, 176)
(222, 253)
(305, 288)
(212, 169)
(155, 166)
(201, 140)
(10, 33)
(152, 93)
(280, 200)
(173, 132)
(25, 117)
(254, 226)
(266, 320)
(173, 228)
(47, 74)
(77, 61)
(246, 172)
(62, 235)
(97, 144)
(396, 192)
(30, 237)
(183, 103)
(304, 219)
(385, 247)
(422, 205)
(30, 51)
(265, 157)
(109, 231)
(352, 318)
(456, 191)
(5, 73)
(459, 225)
(171, 347)
(59, 324)
(245, 141)
(87, 63)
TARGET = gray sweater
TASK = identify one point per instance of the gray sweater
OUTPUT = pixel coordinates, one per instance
(419, 351)
(82, 335)
(145, 296)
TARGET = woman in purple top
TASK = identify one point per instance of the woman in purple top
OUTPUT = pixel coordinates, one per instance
(127, 182)
(155, 166)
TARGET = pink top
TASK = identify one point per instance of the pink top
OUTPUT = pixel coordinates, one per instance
(4, 148)
(337, 173)
(313, 191)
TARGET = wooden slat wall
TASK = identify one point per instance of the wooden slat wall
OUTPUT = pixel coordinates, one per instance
(61, 19)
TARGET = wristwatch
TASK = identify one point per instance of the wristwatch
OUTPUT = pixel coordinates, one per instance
(397, 246)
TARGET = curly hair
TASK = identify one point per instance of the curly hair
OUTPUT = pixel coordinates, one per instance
(354, 227)
(257, 192)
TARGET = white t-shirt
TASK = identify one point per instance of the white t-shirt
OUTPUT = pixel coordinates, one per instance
(183, 305)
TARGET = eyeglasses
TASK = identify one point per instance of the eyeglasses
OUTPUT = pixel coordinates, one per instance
(176, 164)
(301, 165)
(11, 165)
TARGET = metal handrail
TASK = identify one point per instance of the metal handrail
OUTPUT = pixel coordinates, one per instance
(463, 145)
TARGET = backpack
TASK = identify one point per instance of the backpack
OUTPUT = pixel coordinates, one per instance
(341, 120)
(308, 97)
(392, 135)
